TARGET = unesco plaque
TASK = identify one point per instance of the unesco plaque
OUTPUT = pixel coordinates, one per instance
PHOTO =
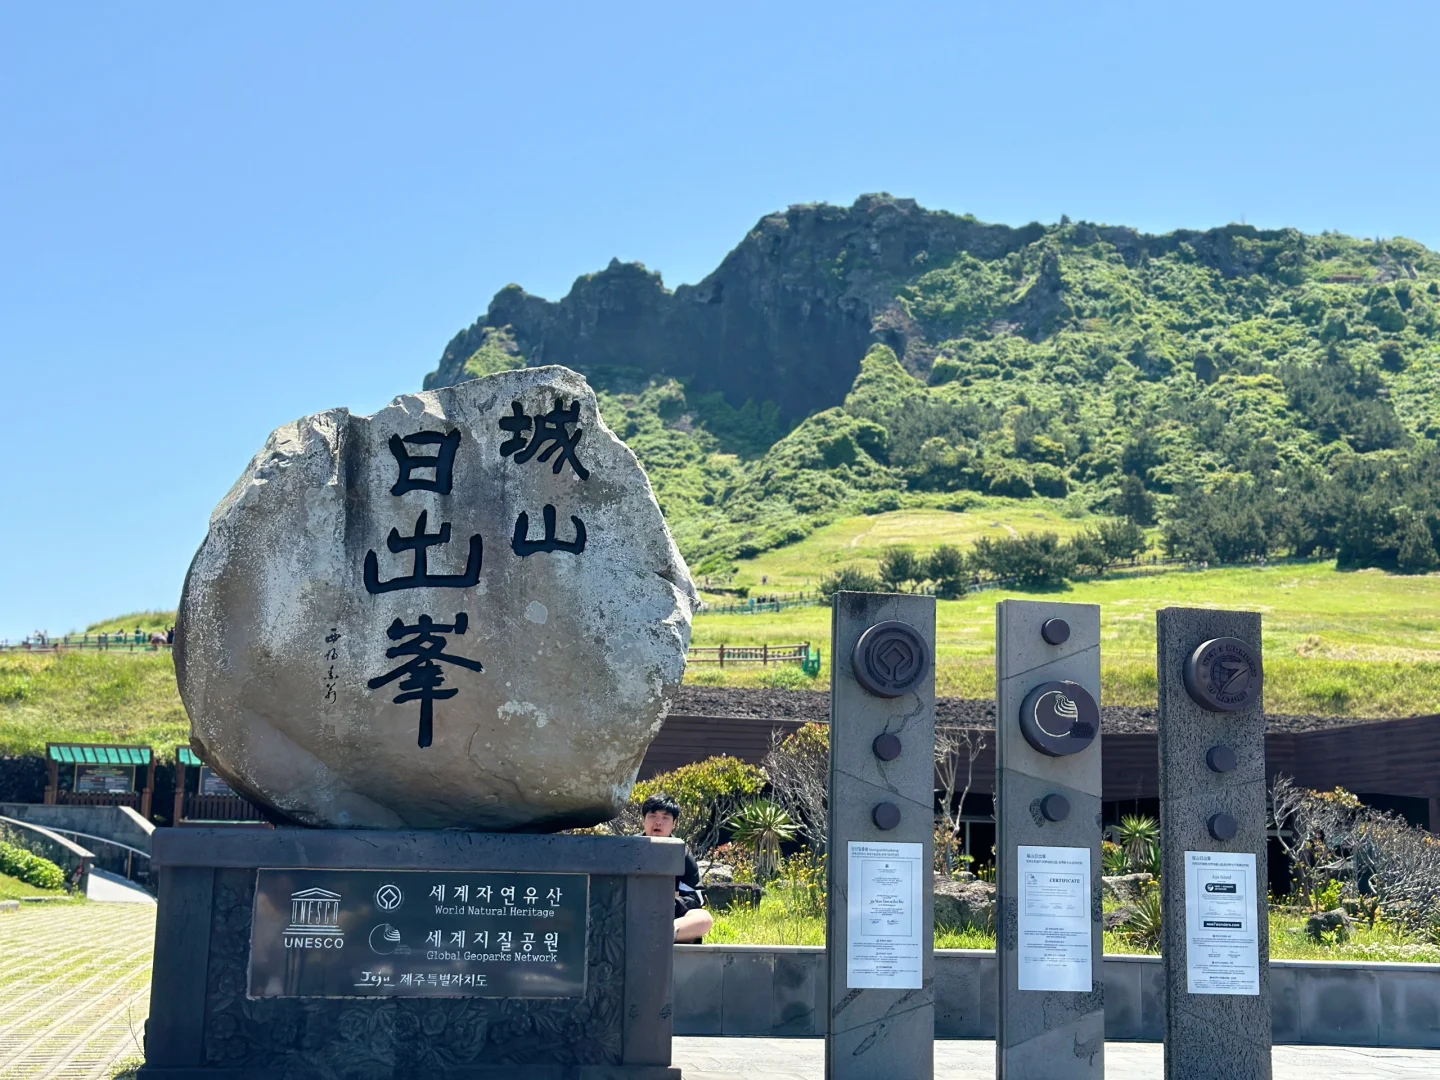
(383, 933)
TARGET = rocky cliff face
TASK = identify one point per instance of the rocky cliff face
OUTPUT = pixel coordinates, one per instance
(791, 310)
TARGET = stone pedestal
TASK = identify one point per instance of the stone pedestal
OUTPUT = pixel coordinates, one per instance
(606, 1016)
(1050, 1023)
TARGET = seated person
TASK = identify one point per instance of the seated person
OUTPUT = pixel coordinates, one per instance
(692, 921)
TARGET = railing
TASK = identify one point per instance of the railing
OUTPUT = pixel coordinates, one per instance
(138, 801)
(756, 605)
(88, 643)
(750, 654)
(219, 808)
(130, 852)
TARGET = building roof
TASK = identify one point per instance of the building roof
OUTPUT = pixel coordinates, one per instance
(85, 754)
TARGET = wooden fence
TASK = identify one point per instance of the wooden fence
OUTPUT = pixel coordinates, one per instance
(749, 654)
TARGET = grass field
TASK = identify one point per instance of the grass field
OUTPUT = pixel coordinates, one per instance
(1339, 644)
(860, 540)
(15, 889)
(773, 924)
(1364, 643)
(91, 697)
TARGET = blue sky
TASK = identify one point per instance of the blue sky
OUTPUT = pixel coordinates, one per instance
(217, 218)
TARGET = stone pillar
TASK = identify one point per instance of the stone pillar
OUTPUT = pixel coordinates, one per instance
(1213, 836)
(1051, 1019)
(880, 954)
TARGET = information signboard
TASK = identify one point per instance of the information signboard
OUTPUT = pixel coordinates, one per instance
(212, 784)
(886, 910)
(383, 933)
(1222, 954)
(105, 779)
(1054, 918)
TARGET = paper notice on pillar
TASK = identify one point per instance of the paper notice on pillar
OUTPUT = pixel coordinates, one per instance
(1222, 954)
(1055, 927)
(886, 916)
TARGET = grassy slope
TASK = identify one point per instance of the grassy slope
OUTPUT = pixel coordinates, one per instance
(860, 540)
(15, 889)
(1337, 643)
(116, 697)
(1362, 643)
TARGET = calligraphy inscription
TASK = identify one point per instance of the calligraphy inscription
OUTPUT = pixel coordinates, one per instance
(550, 438)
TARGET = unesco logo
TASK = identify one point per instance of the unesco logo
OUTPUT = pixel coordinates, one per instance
(389, 897)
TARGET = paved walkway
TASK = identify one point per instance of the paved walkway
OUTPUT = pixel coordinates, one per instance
(974, 1059)
(74, 988)
(75, 991)
(107, 888)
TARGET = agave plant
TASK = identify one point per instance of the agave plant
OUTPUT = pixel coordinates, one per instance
(761, 827)
(1113, 859)
(1139, 836)
(1143, 928)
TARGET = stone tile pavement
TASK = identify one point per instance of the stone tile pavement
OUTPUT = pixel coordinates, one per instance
(74, 988)
(973, 1059)
(75, 991)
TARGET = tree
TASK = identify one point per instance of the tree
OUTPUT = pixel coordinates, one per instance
(1089, 552)
(1133, 502)
(899, 567)
(1036, 560)
(1121, 540)
(848, 579)
(946, 568)
(798, 768)
(1417, 548)
(952, 744)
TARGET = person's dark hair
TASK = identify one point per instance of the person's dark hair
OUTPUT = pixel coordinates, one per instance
(660, 802)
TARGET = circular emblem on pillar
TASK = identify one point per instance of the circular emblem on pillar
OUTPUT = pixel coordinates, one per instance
(1059, 718)
(891, 659)
(1224, 675)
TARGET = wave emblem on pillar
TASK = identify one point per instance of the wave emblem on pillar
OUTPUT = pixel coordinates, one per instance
(1059, 718)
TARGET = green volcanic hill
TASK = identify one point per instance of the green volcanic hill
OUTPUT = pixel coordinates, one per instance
(1253, 392)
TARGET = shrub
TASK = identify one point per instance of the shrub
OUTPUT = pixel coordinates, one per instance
(1145, 927)
(848, 579)
(708, 792)
(30, 868)
(899, 567)
(787, 677)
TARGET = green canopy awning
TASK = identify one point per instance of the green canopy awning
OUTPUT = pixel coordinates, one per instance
(186, 756)
(82, 754)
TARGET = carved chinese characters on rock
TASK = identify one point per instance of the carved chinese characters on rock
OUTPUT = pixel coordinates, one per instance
(552, 435)
(477, 585)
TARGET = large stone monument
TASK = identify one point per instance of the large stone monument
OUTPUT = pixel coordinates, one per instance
(1213, 824)
(464, 611)
(1051, 1019)
(880, 931)
(415, 638)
